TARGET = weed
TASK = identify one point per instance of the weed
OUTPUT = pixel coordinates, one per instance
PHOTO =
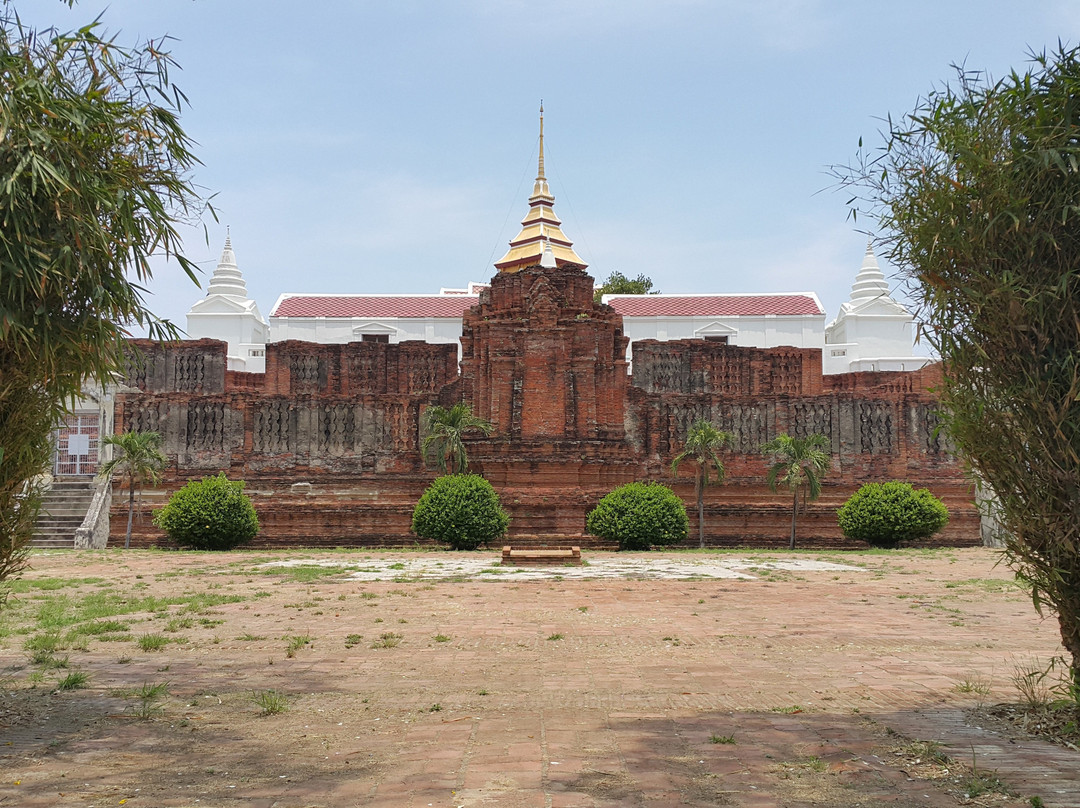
(1036, 802)
(178, 624)
(1029, 679)
(387, 639)
(978, 783)
(555, 636)
(368, 595)
(149, 698)
(673, 640)
(930, 751)
(978, 686)
(271, 702)
(294, 644)
(435, 708)
(248, 637)
(481, 692)
(795, 708)
(725, 739)
(352, 639)
(583, 609)
(441, 638)
(152, 642)
(75, 680)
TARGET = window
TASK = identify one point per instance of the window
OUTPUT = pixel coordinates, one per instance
(840, 352)
(713, 338)
(384, 338)
(256, 352)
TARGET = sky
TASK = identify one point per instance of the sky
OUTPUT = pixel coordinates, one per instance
(390, 146)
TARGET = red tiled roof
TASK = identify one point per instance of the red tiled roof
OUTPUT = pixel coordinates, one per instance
(374, 306)
(714, 305)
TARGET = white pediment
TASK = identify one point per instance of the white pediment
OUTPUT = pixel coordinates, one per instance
(715, 329)
(222, 304)
(373, 327)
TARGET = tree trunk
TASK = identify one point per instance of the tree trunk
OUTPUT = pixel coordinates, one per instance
(1069, 622)
(701, 510)
(794, 513)
(131, 513)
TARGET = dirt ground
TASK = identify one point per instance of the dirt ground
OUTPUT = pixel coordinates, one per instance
(303, 679)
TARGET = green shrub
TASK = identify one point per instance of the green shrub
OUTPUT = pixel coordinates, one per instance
(209, 514)
(461, 510)
(885, 514)
(639, 515)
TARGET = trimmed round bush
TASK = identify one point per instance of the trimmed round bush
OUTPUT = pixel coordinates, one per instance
(885, 514)
(213, 513)
(461, 510)
(639, 516)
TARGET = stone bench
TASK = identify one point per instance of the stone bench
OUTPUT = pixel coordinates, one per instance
(540, 556)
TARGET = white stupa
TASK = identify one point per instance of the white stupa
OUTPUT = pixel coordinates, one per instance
(228, 314)
(872, 331)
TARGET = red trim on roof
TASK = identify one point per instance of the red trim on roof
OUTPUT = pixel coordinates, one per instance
(374, 307)
(714, 305)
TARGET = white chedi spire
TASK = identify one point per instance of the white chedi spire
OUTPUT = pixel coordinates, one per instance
(870, 282)
(227, 279)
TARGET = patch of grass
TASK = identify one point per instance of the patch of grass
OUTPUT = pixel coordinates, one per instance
(1029, 679)
(397, 565)
(149, 700)
(76, 680)
(179, 624)
(206, 622)
(441, 638)
(722, 739)
(978, 686)
(368, 595)
(305, 573)
(95, 628)
(673, 640)
(583, 609)
(554, 637)
(794, 708)
(434, 708)
(929, 751)
(271, 702)
(482, 692)
(295, 643)
(387, 639)
(249, 637)
(152, 642)
(24, 585)
(352, 640)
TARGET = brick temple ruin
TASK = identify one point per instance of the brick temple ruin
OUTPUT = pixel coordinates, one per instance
(328, 438)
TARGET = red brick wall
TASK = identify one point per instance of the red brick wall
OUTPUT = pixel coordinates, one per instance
(546, 365)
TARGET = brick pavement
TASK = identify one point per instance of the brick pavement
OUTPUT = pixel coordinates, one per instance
(548, 692)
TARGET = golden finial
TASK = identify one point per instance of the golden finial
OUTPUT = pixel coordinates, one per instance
(541, 176)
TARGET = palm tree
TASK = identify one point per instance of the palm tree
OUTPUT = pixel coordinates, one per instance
(445, 428)
(137, 456)
(798, 464)
(703, 440)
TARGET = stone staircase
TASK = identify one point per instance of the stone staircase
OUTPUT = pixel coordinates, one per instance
(62, 511)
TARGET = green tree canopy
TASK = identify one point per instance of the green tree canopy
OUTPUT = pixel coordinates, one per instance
(619, 284)
(977, 193)
(703, 441)
(798, 464)
(138, 459)
(94, 175)
(446, 427)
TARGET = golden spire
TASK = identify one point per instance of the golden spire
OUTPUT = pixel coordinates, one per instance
(540, 187)
(540, 229)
